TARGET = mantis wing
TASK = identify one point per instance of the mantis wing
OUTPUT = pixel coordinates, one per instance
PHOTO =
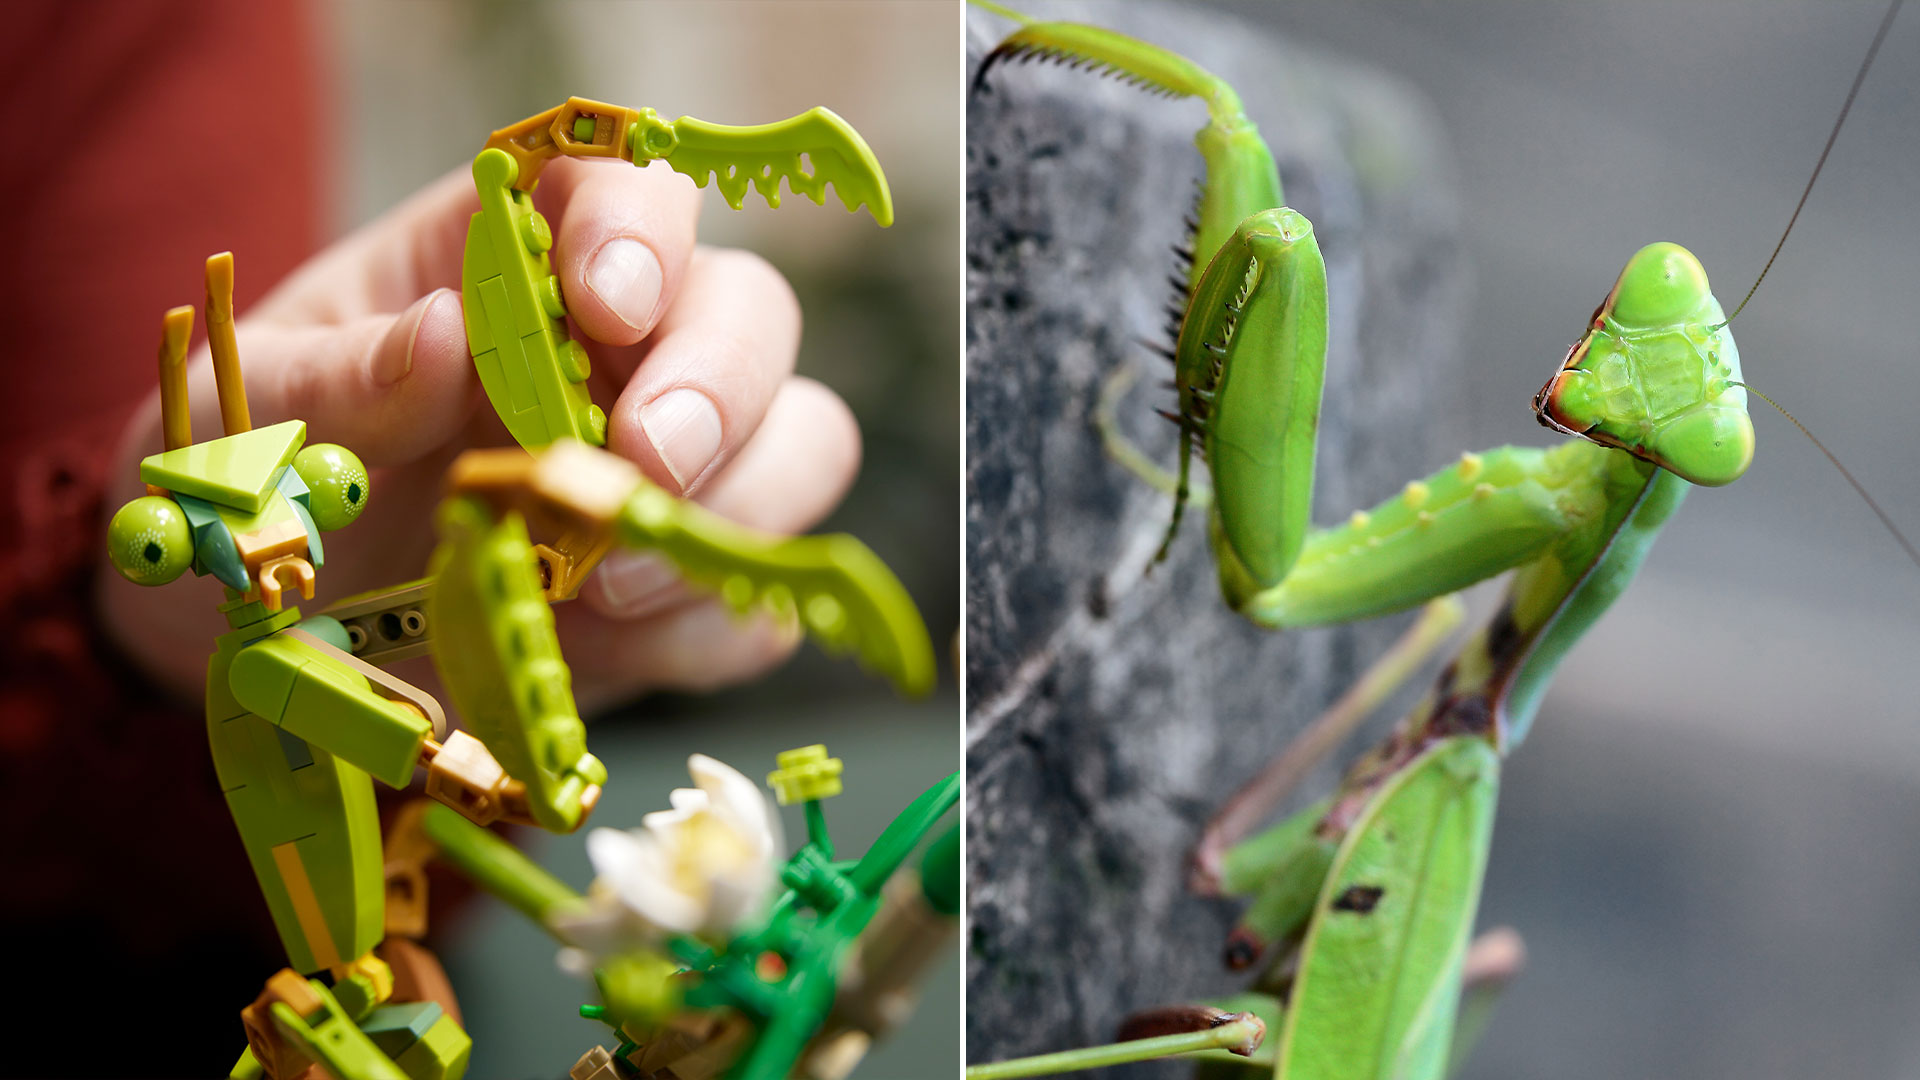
(1379, 977)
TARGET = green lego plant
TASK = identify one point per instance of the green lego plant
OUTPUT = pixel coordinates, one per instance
(695, 925)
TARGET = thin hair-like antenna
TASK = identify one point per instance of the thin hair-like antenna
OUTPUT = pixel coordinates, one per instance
(1880, 35)
(1912, 552)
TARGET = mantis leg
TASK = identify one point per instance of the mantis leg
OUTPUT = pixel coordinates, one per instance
(1257, 798)
(1202, 1029)
(1241, 178)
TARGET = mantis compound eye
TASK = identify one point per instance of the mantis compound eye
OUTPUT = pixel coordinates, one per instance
(149, 541)
(1663, 283)
(336, 483)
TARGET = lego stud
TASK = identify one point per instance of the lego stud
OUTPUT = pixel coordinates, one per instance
(805, 774)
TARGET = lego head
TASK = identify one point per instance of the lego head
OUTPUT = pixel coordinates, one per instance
(248, 507)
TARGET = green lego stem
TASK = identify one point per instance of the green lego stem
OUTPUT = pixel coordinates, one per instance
(840, 591)
(817, 829)
(498, 867)
(903, 834)
(760, 155)
(940, 872)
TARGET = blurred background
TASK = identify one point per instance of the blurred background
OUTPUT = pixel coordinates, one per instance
(1709, 840)
(406, 93)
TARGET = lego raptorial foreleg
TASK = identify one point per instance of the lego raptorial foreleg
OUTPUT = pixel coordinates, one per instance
(533, 372)
(834, 587)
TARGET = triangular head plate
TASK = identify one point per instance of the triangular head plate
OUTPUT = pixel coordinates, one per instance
(236, 471)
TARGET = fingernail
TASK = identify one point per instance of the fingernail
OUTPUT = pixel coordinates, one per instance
(684, 428)
(393, 360)
(626, 277)
(634, 584)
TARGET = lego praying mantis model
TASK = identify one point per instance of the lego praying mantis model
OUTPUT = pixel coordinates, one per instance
(299, 712)
(1364, 902)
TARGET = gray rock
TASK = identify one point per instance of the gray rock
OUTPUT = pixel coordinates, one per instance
(1110, 710)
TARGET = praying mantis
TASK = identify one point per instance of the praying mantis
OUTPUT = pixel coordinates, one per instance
(1153, 921)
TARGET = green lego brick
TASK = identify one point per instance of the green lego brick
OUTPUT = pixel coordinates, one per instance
(395, 1026)
(761, 155)
(213, 549)
(805, 774)
(236, 471)
(356, 995)
(496, 652)
(838, 589)
(247, 1068)
(331, 1038)
(298, 495)
(515, 321)
(321, 700)
(441, 1053)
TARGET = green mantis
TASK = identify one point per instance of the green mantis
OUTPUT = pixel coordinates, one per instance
(1372, 983)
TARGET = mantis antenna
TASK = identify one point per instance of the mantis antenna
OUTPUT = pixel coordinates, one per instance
(1912, 552)
(1859, 77)
(1879, 36)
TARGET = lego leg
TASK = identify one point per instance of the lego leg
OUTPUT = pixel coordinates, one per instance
(296, 1022)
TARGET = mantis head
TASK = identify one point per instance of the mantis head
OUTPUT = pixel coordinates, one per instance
(1657, 374)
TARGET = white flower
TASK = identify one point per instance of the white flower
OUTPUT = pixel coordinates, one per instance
(706, 866)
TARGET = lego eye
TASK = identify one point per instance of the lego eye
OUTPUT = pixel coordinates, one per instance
(336, 484)
(149, 541)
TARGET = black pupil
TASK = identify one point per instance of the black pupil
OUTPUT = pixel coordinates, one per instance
(152, 552)
(353, 494)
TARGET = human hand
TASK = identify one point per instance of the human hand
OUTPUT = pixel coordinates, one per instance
(693, 347)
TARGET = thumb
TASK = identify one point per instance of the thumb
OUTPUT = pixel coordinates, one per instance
(391, 388)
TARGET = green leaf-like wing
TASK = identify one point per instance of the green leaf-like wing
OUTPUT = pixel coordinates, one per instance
(1379, 980)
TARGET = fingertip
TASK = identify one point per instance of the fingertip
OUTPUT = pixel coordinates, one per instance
(622, 244)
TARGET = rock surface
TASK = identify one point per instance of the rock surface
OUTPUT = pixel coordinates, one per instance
(1111, 711)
